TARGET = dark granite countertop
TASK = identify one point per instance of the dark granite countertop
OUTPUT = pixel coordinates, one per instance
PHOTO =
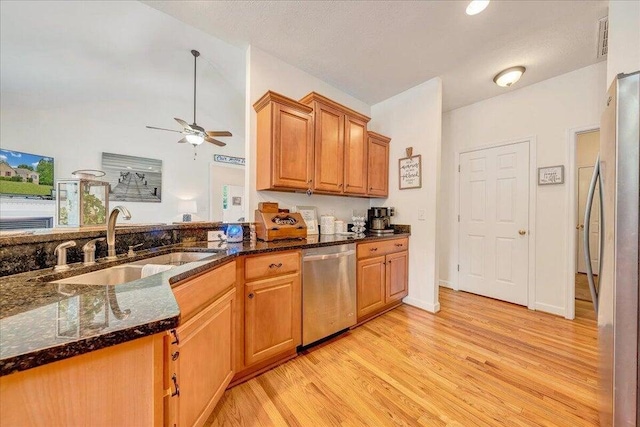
(42, 321)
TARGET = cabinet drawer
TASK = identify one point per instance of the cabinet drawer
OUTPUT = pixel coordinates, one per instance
(194, 294)
(279, 263)
(382, 247)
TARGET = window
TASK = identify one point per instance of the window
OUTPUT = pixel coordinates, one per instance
(7, 174)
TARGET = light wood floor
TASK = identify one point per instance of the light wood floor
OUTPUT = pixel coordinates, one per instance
(582, 287)
(478, 362)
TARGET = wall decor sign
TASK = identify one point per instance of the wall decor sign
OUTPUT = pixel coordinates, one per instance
(24, 175)
(410, 170)
(133, 179)
(551, 175)
(310, 216)
(220, 158)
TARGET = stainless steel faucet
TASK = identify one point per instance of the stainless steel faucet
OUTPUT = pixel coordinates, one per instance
(111, 230)
(89, 250)
(61, 252)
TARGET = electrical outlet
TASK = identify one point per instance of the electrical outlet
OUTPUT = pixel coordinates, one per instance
(422, 215)
(216, 235)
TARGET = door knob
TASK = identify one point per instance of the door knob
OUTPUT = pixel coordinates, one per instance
(579, 226)
(522, 232)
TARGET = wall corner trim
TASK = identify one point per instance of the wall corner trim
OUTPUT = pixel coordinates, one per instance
(424, 305)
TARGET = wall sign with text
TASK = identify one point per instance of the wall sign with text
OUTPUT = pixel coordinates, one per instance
(228, 159)
(410, 172)
(551, 175)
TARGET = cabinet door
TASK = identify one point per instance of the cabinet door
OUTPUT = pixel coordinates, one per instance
(397, 269)
(293, 148)
(378, 173)
(204, 363)
(329, 148)
(355, 156)
(272, 317)
(370, 285)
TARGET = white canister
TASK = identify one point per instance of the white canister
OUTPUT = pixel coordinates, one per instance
(327, 224)
(340, 226)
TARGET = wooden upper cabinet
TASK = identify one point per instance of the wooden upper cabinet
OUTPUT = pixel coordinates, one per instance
(329, 148)
(340, 139)
(355, 156)
(284, 144)
(378, 172)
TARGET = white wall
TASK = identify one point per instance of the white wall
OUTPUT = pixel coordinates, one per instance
(221, 176)
(545, 111)
(100, 82)
(624, 38)
(413, 119)
(265, 72)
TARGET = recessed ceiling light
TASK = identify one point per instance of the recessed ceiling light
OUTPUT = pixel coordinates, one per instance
(477, 6)
(509, 76)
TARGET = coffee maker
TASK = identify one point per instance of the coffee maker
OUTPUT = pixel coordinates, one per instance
(379, 220)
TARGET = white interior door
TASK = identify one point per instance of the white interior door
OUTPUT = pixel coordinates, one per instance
(584, 180)
(233, 203)
(494, 218)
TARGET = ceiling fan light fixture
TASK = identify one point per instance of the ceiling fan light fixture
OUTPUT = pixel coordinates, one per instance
(477, 6)
(506, 78)
(194, 139)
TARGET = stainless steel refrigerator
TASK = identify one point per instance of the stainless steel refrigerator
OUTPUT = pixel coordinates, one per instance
(616, 299)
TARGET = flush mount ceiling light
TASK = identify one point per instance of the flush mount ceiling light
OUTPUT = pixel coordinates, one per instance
(477, 6)
(509, 76)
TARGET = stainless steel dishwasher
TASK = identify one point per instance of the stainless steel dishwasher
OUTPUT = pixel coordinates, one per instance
(328, 291)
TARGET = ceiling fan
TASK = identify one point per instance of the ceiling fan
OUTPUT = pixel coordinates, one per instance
(194, 134)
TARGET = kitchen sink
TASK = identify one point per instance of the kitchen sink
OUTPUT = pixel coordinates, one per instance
(109, 276)
(175, 258)
(125, 273)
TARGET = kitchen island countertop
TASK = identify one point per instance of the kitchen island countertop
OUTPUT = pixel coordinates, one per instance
(43, 322)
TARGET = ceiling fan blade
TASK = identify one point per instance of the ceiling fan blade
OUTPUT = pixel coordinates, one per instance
(214, 141)
(182, 141)
(182, 123)
(168, 130)
(219, 133)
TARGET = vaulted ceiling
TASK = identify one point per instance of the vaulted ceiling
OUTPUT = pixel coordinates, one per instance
(376, 49)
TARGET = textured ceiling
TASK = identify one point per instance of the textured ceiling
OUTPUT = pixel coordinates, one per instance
(376, 49)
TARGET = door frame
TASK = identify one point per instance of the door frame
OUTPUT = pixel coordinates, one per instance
(572, 216)
(531, 276)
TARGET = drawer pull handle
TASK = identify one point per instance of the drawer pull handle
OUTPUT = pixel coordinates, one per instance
(176, 340)
(373, 249)
(175, 355)
(398, 245)
(250, 295)
(278, 265)
(174, 378)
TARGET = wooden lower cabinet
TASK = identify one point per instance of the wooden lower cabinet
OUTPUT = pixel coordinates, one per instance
(272, 317)
(371, 284)
(382, 280)
(200, 358)
(397, 275)
(115, 386)
(269, 320)
(200, 353)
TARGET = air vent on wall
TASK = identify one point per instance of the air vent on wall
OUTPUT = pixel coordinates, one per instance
(603, 37)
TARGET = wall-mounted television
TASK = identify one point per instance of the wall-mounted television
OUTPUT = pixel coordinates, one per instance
(25, 175)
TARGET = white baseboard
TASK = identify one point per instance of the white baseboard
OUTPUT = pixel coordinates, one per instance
(431, 308)
(560, 311)
(447, 284)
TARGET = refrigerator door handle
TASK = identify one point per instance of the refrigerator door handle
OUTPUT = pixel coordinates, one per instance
(587, 225)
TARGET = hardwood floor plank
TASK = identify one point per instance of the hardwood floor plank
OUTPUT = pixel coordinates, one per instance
(478, 362)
